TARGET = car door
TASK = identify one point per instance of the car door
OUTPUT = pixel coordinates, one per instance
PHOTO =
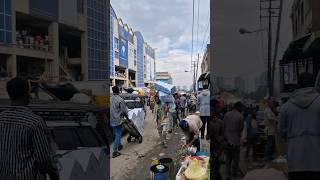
(80, 153)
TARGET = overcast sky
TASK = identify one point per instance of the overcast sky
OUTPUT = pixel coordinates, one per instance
(242, 55)
(167, 26)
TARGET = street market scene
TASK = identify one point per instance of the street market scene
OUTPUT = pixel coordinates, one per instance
(159, 90)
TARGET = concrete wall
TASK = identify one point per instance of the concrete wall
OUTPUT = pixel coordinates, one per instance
(316, 15)
(21, 6)
(68, 13)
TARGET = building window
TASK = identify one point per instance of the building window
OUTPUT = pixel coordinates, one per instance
(116, 43)
(135, 62)
(116, 54)
(80, 6)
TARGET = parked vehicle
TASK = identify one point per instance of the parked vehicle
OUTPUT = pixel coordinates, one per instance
(77, 135)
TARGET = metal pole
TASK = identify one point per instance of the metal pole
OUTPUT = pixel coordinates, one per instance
(277, 44)
(270, 50)
(194, 76)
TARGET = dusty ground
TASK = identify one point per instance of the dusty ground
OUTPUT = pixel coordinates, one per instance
(133, 152)
(134, 164)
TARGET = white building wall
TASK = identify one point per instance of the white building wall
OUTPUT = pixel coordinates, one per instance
(131, 56)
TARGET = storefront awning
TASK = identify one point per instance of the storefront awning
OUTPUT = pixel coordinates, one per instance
(204, 76)
(295, 50)
(312, 45)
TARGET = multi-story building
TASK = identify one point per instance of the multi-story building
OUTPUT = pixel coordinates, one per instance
(239, 84)
(66, 40)
(205, 65)
(303, 53)
(132, 60)
(219, 80)
(164, 77)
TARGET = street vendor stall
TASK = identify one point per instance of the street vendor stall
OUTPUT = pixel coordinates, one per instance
(194, 167)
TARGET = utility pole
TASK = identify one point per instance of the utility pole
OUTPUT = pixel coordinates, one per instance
(270, 15)
(277, 43)
(194, 76)
(197, 65)
(269, 49)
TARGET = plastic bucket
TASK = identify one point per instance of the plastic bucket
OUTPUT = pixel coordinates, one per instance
(169, 163)
(160, 172)
(202, 153)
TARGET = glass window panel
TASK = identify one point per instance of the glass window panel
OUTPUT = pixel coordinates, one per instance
(1, 6)
(8, 23)
(8, 37)
(1, 36)
(8, 6)
(1, 21)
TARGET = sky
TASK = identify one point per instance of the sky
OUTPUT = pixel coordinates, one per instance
(243, 55)
(167, 26)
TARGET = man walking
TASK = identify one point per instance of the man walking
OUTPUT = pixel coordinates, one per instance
(162, 120)
(24, 146)
(216, 136)
(191, 128)
(233, 126)
(118, 110)
(271, 122)
(204, 107)
(300, 126)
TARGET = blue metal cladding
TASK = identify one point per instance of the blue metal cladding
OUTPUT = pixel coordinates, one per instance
(111, 62)
(123, 54)
(97, 39)
(140, 71)
(5, 22)
(45, 8)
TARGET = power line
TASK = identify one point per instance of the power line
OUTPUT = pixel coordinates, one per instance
(205, 33)
(192, 31)
(198, 22)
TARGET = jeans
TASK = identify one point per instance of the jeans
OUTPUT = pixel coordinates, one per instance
(252, 141)
(233, 159)
(162, 130)
(304, 175)
(204, 120)
(172, 121)
(183, 113)
(117, 132)
(215, 160)
(270, 147)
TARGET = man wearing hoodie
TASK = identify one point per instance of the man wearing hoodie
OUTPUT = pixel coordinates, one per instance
(300, 126)
(204, 108)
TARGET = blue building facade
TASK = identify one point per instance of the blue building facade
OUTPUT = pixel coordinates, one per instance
(5, 22)
(140, 58)
(97, 39)
(111, 55)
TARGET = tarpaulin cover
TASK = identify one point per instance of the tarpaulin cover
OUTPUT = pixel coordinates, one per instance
(137, 117)
(166, 98)
(165, 87)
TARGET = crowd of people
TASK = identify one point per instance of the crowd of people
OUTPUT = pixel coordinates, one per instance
(293, 121)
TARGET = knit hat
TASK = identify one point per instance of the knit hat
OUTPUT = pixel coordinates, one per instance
(184, 124)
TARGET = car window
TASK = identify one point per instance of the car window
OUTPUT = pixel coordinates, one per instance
(66, 138)
(87, 137)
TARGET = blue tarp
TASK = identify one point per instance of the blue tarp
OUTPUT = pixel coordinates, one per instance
(165, 87)
(166, 98)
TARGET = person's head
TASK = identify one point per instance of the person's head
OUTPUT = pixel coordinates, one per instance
(270, 103)
(156, 98)
(238, 106)
(115, 90)
(19, 90)
(306, 80)
(184, 125)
